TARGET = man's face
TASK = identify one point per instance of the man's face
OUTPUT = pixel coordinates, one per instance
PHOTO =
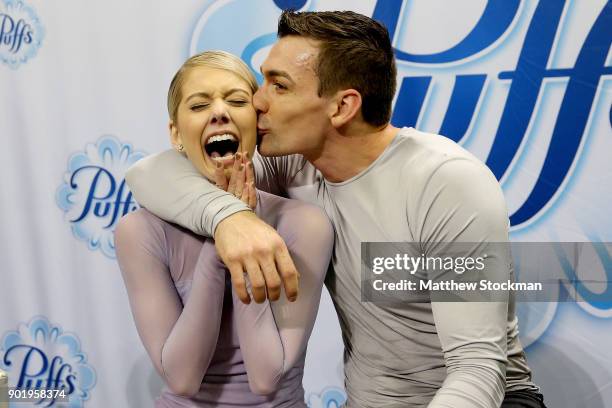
(292, 117)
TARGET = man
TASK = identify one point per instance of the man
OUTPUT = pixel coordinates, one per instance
(326, 101)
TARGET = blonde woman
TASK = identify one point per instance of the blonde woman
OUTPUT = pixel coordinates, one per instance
(210, 348)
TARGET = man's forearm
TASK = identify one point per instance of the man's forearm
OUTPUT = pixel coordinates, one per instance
(169, 186)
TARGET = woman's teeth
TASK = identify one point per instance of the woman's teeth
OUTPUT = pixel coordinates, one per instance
(221, 146)
(219, 138)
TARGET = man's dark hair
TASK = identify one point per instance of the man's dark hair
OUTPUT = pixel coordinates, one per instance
(355, 52)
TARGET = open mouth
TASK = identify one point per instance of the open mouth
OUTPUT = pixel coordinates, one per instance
(221, 145)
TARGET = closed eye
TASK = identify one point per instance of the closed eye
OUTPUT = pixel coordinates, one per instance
(238, 102)
(199, 106)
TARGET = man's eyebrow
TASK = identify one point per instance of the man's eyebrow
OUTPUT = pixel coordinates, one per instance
(277, 73)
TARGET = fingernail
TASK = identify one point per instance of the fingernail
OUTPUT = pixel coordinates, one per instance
(241, 167)
(238, 156)
(246, 155)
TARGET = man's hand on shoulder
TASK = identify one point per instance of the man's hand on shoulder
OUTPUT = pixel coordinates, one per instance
(247, 245)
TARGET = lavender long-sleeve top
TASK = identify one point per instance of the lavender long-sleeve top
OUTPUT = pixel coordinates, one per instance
(211, 349)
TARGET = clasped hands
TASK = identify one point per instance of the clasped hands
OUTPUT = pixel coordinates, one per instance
(250, 247)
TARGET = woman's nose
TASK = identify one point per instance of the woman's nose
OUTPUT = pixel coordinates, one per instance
(220, 114)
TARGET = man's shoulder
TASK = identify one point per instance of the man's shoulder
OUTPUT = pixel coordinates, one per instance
(424, 154)
(432, 146)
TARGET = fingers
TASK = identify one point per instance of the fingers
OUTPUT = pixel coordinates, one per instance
(238, 282)
(273, 282)
(250, 174)
(252, 198)
(245, 194)
(288, 272)
(242, 180)
(262, 254)
(220, 179)
(233, 179)
(239, 186)
(258, 283)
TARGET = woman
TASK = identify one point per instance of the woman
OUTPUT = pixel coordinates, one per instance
(209, 347)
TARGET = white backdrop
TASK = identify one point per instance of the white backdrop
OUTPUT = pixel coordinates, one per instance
(525, 85)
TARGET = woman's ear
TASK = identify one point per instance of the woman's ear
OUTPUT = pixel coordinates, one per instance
(346, 105)
(175, 136)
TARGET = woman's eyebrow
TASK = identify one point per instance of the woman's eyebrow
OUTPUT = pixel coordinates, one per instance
(196, 94)
(226, 93)
(233, 90)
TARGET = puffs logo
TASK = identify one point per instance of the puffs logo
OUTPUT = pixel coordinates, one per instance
(94, 194)
(39, 355)
(330, 397)
(507, 54)
(21, 33)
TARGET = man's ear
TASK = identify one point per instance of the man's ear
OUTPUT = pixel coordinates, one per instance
(175, 137)
(346, 105)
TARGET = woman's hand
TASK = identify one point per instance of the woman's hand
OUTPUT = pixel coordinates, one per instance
(242, 180)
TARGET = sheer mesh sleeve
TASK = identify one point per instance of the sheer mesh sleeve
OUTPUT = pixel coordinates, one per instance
(180, 339)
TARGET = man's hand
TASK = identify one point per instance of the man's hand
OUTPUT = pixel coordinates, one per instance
(248, 245)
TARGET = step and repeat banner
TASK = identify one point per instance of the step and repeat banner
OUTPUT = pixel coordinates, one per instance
(526, 85)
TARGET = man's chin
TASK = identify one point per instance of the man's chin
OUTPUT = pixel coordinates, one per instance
(266, 148)
(270, 152)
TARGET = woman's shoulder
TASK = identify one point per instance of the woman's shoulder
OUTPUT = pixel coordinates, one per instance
(139, 222)
(170, 243)
(144, 226)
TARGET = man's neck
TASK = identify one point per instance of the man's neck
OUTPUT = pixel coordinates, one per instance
(347, 154)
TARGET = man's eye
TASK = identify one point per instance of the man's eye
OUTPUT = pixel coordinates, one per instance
(238, 102)
(199, 106)
(278, 86)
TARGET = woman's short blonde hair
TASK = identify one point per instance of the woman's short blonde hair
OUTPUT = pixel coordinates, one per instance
(216, 59)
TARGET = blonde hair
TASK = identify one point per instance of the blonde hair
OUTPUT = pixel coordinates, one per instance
(216, 59)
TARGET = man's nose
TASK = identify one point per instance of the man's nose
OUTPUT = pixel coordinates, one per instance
(220, 115)
(259, 102)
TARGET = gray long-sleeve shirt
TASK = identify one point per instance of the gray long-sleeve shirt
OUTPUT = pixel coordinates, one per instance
(424, 188)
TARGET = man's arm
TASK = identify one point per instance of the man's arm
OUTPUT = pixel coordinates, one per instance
(169, 186)
(464, 204)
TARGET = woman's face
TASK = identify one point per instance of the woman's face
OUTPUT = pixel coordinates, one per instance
(215, 119)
